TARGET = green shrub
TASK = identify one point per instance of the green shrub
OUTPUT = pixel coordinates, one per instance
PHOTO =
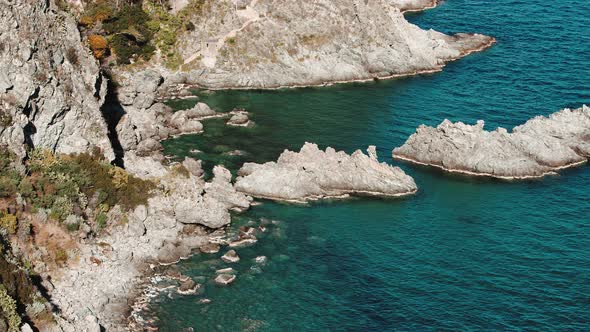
(61, 256)
(129, 34)
(8, 306)
(8, 222)
(5, 119)
(9, 177)
(101, 221)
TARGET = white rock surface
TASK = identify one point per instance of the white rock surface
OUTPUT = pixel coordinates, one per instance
(314, 174)
(538, 148)
(225, 279)
(230, 257)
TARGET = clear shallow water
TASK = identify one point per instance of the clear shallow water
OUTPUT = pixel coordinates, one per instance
(464, 253)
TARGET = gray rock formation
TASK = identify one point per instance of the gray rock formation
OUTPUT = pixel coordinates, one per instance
(240, 118)
(538, 148)
(225, 279)
(272, 43)
(414, 5)
(155, 232)
(144, 122)
(230, 257)
(51, 89)
(314, 174)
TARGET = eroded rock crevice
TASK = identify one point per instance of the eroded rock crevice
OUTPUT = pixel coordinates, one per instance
(112, 112)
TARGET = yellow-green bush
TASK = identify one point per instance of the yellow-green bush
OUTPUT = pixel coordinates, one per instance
(8, 306)
(9, 222)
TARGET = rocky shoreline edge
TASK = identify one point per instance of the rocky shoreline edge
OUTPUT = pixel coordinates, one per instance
(416, 6)
(485, 43)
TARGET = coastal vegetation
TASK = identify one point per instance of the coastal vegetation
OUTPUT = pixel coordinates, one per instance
(130, 31)
(76, 193)
(20, 298)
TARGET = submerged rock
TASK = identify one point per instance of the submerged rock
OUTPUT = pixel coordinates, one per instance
(230, 257)
(243, 242)
(315, 174)
(240, 118)
(262, 260)
(538, 148)
(209, 248)
(188, 287)
(227, 270)
(225, 279)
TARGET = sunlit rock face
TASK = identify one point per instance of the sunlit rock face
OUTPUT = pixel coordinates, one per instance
(51, 89)
(538, 148)
(272, 43)
(315, 174)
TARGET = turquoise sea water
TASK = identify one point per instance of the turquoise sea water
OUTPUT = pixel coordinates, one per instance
(463, 254)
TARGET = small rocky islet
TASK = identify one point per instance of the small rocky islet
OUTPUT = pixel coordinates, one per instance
(540, 147)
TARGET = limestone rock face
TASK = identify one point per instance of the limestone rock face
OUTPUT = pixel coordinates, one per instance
(274, 43)
(313, 174)
(539, 147)
(51, 89)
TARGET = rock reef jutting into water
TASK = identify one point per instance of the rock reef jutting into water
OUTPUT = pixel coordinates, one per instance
(537, 148)
(315, 174)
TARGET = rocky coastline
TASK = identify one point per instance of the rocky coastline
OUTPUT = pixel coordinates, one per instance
(540, 147)
(55, 97)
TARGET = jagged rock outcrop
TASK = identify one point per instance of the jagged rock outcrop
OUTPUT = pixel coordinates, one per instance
(143, 122)
(272, 43)
(51, 89)
(314, 174)
(538, 148)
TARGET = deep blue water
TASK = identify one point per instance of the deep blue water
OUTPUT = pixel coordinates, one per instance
(463, 254)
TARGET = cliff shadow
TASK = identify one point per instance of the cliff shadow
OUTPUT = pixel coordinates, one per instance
(112, 112)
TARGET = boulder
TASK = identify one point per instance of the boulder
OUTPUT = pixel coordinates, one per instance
(231, 257)
(188, 287)
(193, 166)
(225, 279)
(240, 119)
(209, 248)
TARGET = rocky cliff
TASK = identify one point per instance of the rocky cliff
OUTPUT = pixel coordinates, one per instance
(539, 147)
(272, 43)
(51, 89)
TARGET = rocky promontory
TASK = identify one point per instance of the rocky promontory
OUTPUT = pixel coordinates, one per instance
(537, 148)
(271, 44)
(315, 174)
